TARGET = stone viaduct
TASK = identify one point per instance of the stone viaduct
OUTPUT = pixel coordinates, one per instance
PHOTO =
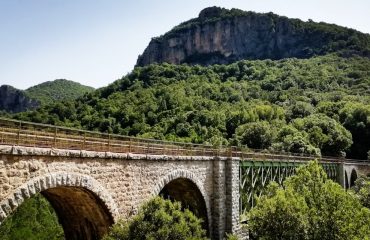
(93, 179)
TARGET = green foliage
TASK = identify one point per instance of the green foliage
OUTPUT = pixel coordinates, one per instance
(304, 109)
(299, 110)
(362, 190)
(159, 219)
(309, 206)
(283, 216)
(257, 135)
(290, 139)
(356, 118)
(325, 133)
(231, 237)
(57, 90)
(34, 219)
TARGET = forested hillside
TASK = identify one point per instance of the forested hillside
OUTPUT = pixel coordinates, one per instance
(57, 90)
(14, 100)
(319, 105)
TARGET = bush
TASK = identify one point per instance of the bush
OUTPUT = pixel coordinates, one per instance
(231, 237)
(310, 206)
(159, 219)
(362, 190)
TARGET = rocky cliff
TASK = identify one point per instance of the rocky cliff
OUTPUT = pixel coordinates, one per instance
(14, 100)
(222, 36)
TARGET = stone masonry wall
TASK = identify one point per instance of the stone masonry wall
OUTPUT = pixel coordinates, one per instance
(219, 199)
(122, 181)
(232, 196)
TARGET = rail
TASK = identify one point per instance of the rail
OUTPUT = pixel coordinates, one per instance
(28, 134)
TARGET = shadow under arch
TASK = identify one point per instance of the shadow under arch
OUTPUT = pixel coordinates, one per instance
(353, 177)
(84, 209)
(181, 186)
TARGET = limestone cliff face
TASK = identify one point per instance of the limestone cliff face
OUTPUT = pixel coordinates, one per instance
(223, 36)
(14, 100)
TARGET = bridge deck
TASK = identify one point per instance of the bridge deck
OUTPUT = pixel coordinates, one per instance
(19, 133)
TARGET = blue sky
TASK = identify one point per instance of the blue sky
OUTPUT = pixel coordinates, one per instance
(95, 42)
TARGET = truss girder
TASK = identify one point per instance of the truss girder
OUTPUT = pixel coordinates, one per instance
(256, 175)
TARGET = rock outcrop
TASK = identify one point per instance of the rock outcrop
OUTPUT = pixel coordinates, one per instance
(15, 100)
(220, 36)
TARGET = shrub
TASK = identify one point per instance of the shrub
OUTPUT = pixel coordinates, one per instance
(310, 206)
(159, 219)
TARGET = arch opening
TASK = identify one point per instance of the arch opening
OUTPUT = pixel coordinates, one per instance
(80, 212)
(353, 177)
(185, 191)
(85, 210)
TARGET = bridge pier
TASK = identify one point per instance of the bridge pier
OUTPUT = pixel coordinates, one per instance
(341, 175)
(225, 197)
(219, 199)
(232, 196)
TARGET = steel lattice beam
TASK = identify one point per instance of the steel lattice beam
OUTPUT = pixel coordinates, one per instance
(256, 175)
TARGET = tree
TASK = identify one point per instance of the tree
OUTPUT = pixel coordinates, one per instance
(258, 135)
(159, 219)
(356, 118)
(34, 219)
(291, 140)
(325, 133)
(309, 206)
(280, 214)
(362, 190)
(299, 110)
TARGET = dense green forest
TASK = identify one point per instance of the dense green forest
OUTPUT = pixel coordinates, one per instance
(319, 105)
(57, 90)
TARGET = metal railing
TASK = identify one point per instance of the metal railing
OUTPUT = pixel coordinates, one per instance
(28, 134)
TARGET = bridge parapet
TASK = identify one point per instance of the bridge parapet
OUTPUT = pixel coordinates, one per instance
(27, 134)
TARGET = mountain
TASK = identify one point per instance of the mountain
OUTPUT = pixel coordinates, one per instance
(304, 104)
(319, 105)
(57, 90)
(221, 36)
(13, 100)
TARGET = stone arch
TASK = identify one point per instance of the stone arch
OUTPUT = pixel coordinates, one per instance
(353, 177)
(182, 178)
(84, 208)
